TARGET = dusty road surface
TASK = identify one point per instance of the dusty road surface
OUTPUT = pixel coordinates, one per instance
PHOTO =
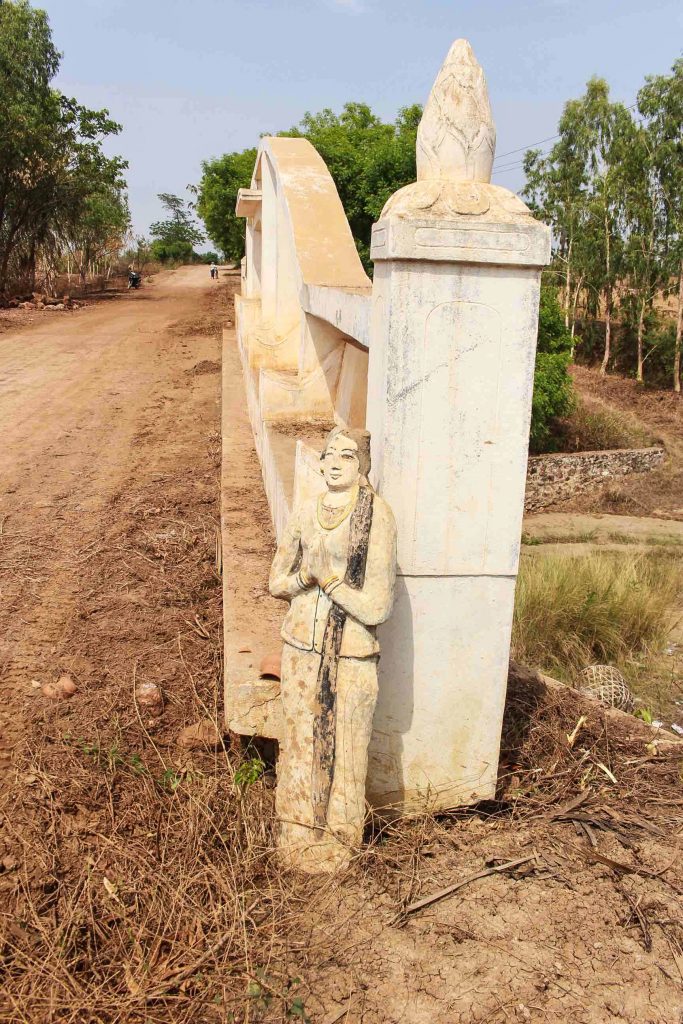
(99, 409)
(138, 883)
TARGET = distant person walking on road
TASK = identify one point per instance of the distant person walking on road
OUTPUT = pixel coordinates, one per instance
(214, 272)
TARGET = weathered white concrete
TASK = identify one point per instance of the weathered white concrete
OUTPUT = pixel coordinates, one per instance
(303, 290)
(349, 310)
(443, 672)
(456, 138)
(449, 401)
(452, 349)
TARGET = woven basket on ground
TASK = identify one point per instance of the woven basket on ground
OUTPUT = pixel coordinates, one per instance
(609, 686)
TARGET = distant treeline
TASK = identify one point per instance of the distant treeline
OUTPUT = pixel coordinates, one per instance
(62, 201)
(611, 186)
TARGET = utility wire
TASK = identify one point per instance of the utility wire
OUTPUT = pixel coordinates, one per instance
(551, 138)
(523, 149)
(510, 167)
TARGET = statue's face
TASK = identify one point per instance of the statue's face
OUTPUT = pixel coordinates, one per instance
(340, 463)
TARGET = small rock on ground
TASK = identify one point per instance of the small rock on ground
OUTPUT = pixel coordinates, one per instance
(62, 689)
(202, 735)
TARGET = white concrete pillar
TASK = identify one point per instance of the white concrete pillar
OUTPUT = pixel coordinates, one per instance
(453, 339)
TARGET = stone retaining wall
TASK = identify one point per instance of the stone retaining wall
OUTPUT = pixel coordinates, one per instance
(551, 478)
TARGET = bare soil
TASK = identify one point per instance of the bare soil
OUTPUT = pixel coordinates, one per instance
(137, 880)
(660, 412)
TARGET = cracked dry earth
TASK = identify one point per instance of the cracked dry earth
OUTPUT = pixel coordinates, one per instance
(137, 881)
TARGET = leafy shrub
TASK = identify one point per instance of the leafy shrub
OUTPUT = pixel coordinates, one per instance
(553, 393)
(172, 252)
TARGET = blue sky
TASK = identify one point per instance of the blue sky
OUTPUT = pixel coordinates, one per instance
(191, 79)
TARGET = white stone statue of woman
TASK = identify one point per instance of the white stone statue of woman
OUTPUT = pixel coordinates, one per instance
(336, 565)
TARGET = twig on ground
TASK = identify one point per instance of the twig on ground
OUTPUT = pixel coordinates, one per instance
(498, 869)
(638, 915)
(175, 979)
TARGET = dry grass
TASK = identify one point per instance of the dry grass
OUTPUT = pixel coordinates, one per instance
(159, 896)
(607, 607)
(541, 768)
(596, 426)
(149, 890)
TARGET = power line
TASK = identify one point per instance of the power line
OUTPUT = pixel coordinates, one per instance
(517, 165)
(508, 171)
(510, 167)
(551, 138)
(523, 149)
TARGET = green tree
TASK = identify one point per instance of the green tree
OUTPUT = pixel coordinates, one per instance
(660, 101)
(609, 131)
(578, 189)
(553, 394)
(216, 197)
(46, 139)
(172, 252)
(391, 162)
(97, 230)
(556, 190)
(179, 229)
(645, 228)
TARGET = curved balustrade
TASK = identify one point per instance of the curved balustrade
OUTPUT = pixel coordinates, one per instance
(302, 318)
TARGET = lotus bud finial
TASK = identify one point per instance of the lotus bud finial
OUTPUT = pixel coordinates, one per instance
(456, 139)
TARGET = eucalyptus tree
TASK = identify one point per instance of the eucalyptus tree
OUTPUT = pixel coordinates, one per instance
(644, 266)
(607, 130)
(577, 188)
(556, 190)
(660, 102)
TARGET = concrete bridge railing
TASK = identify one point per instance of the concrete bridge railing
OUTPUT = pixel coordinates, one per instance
(436, 357)
(303, 318)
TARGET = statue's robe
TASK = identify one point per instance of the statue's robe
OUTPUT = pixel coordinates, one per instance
(329, 677)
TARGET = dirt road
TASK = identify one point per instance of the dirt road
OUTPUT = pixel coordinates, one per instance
(97, 408)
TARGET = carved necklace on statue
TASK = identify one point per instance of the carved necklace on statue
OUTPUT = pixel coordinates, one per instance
(330, 517)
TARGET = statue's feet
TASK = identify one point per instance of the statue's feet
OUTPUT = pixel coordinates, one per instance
(314, 851)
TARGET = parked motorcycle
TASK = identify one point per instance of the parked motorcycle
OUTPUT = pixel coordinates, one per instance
(134, 279)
